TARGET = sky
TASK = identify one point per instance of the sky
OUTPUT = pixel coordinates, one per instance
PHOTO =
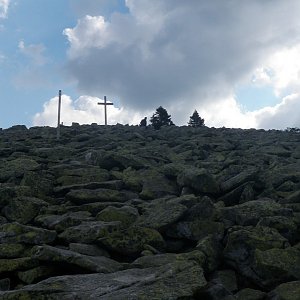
(236, 62)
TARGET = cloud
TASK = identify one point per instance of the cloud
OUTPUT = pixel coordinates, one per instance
(4, 4)
(35, 52)
(84, 110)
(188, 55)
(95, 7)
(283, 115)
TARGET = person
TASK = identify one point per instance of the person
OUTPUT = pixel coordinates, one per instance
(143, 122)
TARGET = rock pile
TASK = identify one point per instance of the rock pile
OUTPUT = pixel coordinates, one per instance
(124, 212)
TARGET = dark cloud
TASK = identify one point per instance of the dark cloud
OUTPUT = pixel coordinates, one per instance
(178, 53)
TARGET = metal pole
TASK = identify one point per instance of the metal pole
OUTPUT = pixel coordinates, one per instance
(105, 111)
(58, 120)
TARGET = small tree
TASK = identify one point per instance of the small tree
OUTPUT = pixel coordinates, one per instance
(196, 120)
(161, 118)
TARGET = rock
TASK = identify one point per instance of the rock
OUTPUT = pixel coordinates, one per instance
(61, 223)
(199, 180)
(40, 183)
(250, 174)
(4, 284)
(18, 233)
(212, 250)
(155, 185)
(89, 232)
(15, 264)
(23, 209)
(227, 278)
(81, 176)
(36, 274)
(275, 266)
(112, 185)
(240, 194)
(132, 241)
(11, 250)
(110, 160)
(86, 249)
(167, 258)
(17, 167)
(242, 242)
(215, 291)
(286, 291)
(196, 230)
(161, 214)
(250, 294)
(98, 264)
(99, 195)
(286, 226)
(149, 283)
(127, 215)
(251, 212)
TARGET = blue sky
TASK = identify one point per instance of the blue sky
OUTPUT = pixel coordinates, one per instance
(236, 70)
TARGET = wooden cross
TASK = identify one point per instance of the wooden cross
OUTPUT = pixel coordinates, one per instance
(105, 110)
(58, 116)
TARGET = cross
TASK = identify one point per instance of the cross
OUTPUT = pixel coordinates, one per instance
(105, 110)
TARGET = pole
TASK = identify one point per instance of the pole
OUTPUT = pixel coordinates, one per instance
(105, 110)
(58, 119)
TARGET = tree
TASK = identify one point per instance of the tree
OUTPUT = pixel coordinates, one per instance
(161, 118)
(196, 120)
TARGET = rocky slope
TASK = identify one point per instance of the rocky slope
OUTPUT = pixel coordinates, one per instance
(132, 213)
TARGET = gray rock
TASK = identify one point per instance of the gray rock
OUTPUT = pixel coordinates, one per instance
(161, 214)
(150, 283)
(23, 209)
(99, 195)
(286, 291)
(18, 233)
(127, 215)
(98, 264)
(199, 180)
(89, 232)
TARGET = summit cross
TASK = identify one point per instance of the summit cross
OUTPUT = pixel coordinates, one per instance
(105, 109)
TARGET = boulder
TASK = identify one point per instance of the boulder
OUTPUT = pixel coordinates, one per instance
(11, 250)
(99, 264)
(149, 283)
(242, 242)
(86, 249)
(132, 241)
(212, 250)
(156, 185)
(250, 174)
(18, 233)
(168, 258)
(62, 222)
(200, 180)
(275, 266)
(36, 274)
(196, 230)
(125, 214)
(81, 175)
(251, 212)
(161, 214)
(286, 291)
(16, 264)
(80, 197)
(23, 209)
(89, 232)
(250, 294)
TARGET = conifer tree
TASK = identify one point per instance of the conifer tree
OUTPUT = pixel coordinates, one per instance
(196, 120)
(161, 118)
